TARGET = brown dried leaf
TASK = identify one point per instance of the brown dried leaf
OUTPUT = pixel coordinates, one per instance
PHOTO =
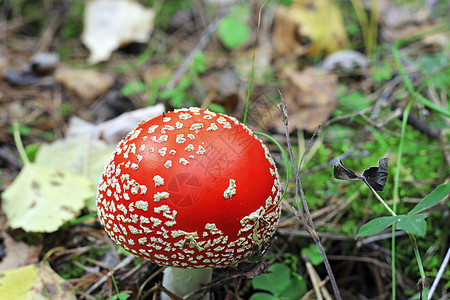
(18, 254)
(87, 84)
(311, 97)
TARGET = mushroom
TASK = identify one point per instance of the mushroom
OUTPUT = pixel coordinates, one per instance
(192, 190)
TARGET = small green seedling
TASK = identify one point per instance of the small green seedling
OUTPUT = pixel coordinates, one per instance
(118, 296)
(281, 283)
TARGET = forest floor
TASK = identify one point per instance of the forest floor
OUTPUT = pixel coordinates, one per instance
(375, 76)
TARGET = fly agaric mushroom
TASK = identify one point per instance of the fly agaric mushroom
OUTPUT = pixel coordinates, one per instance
(191, 189)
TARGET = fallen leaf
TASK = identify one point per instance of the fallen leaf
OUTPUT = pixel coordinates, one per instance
(310, 27)
(285, 36)
(110, 24)
(34, 282)
(41, 199)
(438, 40)
(17, 253)
(112, 131)
(87, 84)
(79, 155)
(310, 96)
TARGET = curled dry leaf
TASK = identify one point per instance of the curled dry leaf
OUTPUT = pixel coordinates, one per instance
(376, 177)
(110, 24)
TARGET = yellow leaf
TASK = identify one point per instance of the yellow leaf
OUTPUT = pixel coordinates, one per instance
(34, 282)
(319, 28)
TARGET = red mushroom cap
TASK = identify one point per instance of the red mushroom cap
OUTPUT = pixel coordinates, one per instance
(190, 189)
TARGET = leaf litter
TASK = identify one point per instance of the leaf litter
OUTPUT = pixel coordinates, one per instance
(303, 50)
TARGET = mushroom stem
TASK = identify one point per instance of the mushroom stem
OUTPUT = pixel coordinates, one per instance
(182, 282)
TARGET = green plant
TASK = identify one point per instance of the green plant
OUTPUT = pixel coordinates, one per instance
(413, 222)
(179, 96)
(133, 87)
(313, 254)
(369, 25)
(165, 10)
(233, 30)
(118, 296)
(354, 101)
(281, 283)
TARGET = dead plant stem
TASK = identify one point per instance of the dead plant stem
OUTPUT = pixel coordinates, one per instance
(309, 225)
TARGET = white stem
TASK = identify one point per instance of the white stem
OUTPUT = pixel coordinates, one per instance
(184, 281)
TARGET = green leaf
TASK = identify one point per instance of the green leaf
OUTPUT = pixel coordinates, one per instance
(41, 199)
(414, 224)
(216, 108)
(133, 87)
(354, 101)
(263, 296)
(313, 254)
(433, 198)
(274, 282)
(31, 151)
(381, 72)
(295, 289)
(376, 225)
(233, 30)
(233, 34)
(200, 63)
(184, 84)
(121, 296)
(167, 94)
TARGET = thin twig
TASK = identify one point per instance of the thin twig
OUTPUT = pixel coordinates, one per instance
(309, 225)
(122, 264)
(141, 288)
